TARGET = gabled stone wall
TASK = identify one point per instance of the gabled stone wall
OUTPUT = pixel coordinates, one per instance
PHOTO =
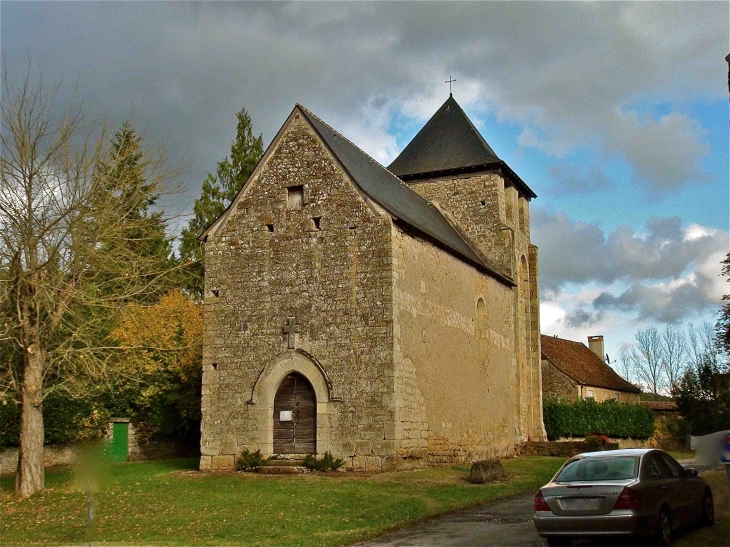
(328, 266)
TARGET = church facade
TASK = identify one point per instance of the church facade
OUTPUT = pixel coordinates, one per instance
(387, 316)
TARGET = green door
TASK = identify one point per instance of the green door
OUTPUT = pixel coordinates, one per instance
(120, 437)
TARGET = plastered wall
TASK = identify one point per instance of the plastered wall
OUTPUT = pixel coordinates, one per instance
(454, 403)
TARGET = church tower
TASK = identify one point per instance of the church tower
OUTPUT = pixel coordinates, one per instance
(451, 165)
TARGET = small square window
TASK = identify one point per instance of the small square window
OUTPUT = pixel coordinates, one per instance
(295, 197)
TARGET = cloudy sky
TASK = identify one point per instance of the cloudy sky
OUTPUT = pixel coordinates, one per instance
(616, 114)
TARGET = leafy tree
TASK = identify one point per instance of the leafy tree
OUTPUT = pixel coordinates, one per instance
(159, 385)
(218, 192)
(703, 397)
(61, 278)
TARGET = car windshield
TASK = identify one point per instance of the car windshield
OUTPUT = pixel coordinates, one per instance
(600, 469)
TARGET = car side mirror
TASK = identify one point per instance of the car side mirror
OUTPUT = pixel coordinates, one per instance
(690, 472)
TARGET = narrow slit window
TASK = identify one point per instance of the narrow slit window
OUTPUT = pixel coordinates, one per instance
(295, 197)
(270, 227)
(316, 223)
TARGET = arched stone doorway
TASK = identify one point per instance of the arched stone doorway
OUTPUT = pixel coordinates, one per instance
(295, 416)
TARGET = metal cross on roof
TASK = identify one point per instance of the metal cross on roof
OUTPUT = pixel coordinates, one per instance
(449, 81)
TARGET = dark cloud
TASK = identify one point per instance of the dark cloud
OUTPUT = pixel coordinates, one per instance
(577, 179)
(579, 253)
(569, 74)
(581, 317)
(658, 303)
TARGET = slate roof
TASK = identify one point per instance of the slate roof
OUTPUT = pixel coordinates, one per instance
(449, 143)
(400, 201)
(576, 361)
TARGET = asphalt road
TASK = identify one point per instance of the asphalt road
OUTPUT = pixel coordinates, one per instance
(504, 523)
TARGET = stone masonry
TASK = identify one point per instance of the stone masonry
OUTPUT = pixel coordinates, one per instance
(307, 274)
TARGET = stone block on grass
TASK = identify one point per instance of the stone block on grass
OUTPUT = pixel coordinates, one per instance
(486, 471)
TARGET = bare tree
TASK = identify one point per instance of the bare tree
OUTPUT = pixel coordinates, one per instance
(647, 358)
(64, 266)
(674, 353)
(702, 345)
(626, 362)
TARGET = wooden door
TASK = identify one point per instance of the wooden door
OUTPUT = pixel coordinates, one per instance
(295, 416)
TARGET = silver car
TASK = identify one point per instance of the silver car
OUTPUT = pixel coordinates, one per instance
(638, 492)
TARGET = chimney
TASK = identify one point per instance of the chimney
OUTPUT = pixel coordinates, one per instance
(595, 343)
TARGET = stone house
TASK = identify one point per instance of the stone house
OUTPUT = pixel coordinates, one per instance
(387, 316)
(573, 370)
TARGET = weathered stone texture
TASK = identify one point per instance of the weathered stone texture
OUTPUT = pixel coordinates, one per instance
(334, 280)
(477, 203)
(486, 471)
(387, 321)
(557, 384)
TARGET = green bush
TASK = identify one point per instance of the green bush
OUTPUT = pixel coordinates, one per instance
(248, 461)
(587, 417)
(325, 463)
(65, 420)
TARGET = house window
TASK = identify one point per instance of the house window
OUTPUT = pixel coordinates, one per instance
(295, 197)
(617, 398)
(591, 395)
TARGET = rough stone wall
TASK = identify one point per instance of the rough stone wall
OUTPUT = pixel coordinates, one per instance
(267, 263)
(557, 384)
(454, 403)
(477, 203)
(52, 455)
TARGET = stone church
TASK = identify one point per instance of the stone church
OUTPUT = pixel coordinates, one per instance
(388, 316)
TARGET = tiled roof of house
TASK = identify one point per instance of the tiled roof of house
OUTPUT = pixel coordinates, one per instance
(660, 406)
(449, 143)
(576, 361)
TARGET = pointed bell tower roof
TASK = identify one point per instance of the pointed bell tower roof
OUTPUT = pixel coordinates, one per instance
(450, 144)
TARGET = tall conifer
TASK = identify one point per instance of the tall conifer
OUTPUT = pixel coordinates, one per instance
(218, 192)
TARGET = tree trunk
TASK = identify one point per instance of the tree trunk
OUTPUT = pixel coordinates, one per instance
(31, 474)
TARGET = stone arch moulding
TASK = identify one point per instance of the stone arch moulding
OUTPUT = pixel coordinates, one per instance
(292, 361)
(261, 404)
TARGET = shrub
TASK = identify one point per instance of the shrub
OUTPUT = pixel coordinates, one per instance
(325, 463)
(596, 442)
(588, 417)
(249, 461)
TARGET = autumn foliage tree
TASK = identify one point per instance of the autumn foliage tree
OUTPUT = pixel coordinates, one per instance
(65, 266)
(158, 381)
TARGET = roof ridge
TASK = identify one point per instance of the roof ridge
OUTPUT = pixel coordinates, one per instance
(372, 159)
(399, 200)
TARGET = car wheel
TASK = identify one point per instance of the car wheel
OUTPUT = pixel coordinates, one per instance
(708, 509)
(559, 542)
(664, 529)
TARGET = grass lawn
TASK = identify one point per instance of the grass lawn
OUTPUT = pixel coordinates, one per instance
(169, 503)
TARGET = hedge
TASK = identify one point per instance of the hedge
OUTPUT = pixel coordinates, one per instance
(588, 417)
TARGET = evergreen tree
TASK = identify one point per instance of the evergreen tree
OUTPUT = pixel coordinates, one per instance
(140, 235)
(218, 192)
